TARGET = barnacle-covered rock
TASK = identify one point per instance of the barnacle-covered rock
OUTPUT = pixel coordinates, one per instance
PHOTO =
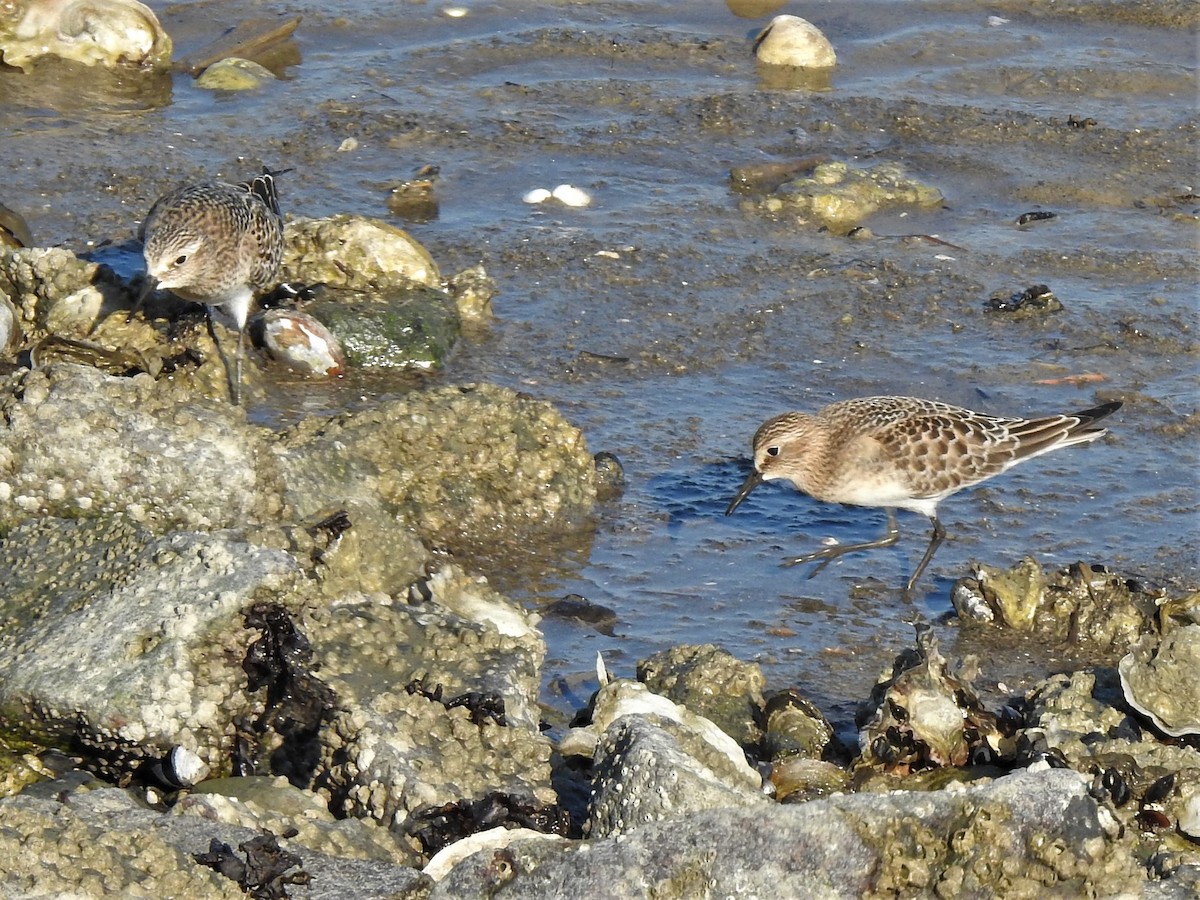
(76, 442)
(355, 253)
(406, 675)
(1080, 603)
(125, 643)
(114, 33)
(54, 290)
(923, 715)
(710, 682)
(654, 758)
(478, 461)
(840, 197)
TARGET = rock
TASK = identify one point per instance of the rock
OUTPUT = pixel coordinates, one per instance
(710, 682)
(97, 843)
(77, 442)
(114, 33)
(840, 197)
(403, 740)
(126, 643)
(263, 803)
(408, 328)
(234, 74)
(647, 770)
(474, 462)
(1160, 677)
(355, 253)
(1023, 835)
(1080, 603)
(473, 290)
(793, 41)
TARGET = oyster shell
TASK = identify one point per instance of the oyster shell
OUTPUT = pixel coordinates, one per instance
(1159, 680)
(93, 32)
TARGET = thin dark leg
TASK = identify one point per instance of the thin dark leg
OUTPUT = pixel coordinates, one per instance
(237, 390)
(829, 554)
(935, 541)
(233, 378)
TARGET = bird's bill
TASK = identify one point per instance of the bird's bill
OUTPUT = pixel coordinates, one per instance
(748, 485)
(149, 286)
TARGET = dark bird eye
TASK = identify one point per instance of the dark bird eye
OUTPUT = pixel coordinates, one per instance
(180, 260)
(772, 451)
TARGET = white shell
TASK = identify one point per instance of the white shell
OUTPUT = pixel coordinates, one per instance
(302, 343)
(537, 195)
(570, 195)
(183, 768)
(493, 839)
(793, 41)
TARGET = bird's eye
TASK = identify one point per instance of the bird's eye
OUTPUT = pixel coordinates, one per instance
(772, 451)
(180, 260)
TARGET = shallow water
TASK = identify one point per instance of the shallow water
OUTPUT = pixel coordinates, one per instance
(710, 317)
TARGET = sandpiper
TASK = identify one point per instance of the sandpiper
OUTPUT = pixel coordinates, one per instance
(217, 244)
(901, 453)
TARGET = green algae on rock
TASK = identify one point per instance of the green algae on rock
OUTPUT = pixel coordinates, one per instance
(409, 328)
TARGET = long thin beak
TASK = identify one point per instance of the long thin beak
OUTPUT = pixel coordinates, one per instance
(748, 485)
(149, 284)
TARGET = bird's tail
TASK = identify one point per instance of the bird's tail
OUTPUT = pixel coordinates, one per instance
(1039, 436)
(263, 187)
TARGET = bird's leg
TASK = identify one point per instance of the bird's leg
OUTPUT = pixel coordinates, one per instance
(234, 380)
(829, 554)
(935, 541)
(237, 386)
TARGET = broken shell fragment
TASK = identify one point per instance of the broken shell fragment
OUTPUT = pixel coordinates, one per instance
(569, 195)
(300, 342)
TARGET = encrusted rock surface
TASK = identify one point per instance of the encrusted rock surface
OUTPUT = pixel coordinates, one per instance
(710, 682)
(1020, 836)
(123, 641)
(476, 460)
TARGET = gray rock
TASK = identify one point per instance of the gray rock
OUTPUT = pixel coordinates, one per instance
(125, 641)
(103, 843)
(1025, 835)
(648, 769)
